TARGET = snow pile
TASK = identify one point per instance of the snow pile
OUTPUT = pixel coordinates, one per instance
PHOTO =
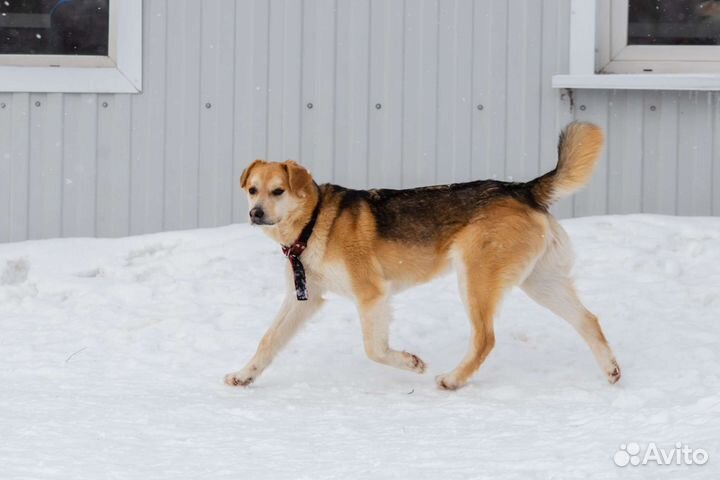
(113, 354)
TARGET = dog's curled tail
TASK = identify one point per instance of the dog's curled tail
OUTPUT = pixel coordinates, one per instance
(578, 151)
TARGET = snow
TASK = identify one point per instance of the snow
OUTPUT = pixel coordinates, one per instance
(113, 354)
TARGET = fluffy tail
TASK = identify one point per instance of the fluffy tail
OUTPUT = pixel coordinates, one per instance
(578, 151)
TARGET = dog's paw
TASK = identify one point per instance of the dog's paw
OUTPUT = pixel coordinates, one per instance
(447, 382)
(414, 363)
(614, 374)
(238, 379)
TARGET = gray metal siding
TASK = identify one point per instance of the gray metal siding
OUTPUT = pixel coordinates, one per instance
(364, 92)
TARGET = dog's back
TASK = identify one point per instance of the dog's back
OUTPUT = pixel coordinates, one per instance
(427, 215)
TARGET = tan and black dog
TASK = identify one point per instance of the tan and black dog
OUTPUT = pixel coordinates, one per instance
(369, 244)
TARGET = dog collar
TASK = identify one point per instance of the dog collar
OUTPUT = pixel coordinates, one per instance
(294, 251)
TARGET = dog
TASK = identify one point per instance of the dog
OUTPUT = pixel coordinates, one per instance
(369, 244)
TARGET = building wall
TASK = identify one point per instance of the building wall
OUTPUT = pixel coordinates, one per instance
(364, 92)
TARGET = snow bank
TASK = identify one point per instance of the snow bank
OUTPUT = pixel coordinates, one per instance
(113, 354)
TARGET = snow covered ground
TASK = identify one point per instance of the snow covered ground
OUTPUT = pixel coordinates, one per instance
(113, 354)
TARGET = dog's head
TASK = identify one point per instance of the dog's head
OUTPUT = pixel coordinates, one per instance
(276, 191)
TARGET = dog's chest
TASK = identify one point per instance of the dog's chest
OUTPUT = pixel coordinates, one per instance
(333, 277)
(328, 276)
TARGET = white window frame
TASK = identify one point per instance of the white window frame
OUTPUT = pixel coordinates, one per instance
(601, 58)
(616, 56)
(118, 72)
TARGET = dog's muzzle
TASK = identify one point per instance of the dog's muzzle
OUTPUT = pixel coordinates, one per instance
(257, 217)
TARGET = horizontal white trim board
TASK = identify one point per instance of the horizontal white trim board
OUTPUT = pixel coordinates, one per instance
(67, 80)
(57, 61)
(651, 81)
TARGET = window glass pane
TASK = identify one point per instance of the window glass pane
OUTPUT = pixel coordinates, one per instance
(674, 22)
(54, 27)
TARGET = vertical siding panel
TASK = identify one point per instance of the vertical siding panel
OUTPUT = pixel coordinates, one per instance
(18, 148)
(216, 128)
(490, 80)
(261, 66)
(695, 152)
(318, 87)
(625, 153)
(351, 105)
(716, 155)
(593, 199)
(10, 178)
(523, 78)
(292, 80)
(482, 48)
(284, 81)
(148, 129)
(446, 91)
(660, 153)
(308, 81)
(78, 183)
(6, 178)
(182, 115)
(555, 105)
(490, 43)
(46, 135)
(650, 139)
(251, 17)
(455, 90)
(275, 81)
(420, 92)
(386, 89)
(113, 166)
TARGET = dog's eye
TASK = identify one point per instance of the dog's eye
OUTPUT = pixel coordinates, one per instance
(278, 191)
(252, 190)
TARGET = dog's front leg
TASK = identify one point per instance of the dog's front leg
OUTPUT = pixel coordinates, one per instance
(375, 313)
(292, 314)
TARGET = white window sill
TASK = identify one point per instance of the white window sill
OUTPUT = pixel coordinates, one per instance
(68, 80)
(648, 81)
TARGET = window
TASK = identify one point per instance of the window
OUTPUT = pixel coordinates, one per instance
(659, 36)
(644, 44)
(54, 27)
(654, 22)
(70, 45)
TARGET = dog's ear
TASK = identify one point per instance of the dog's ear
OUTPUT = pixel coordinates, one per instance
(246, 172)
(299, 179)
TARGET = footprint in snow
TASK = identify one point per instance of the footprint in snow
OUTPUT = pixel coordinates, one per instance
(92, 273)
(15, 271)
(148, 251)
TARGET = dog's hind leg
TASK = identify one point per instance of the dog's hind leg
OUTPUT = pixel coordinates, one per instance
(288, 320)
(490, 257)
(481, 295)
(551, 286)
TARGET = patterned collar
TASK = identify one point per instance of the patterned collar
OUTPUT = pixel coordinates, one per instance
(294, 251)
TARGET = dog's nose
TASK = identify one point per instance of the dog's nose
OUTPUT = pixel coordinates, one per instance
(256, 214)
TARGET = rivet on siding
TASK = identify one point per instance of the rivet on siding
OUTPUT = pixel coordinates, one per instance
(208, 105)
(480, 106)
(105, 104)
(378, 106)
(37, 104)
(583, 107)
(653, 107)
(2, 105)
(310, 106)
